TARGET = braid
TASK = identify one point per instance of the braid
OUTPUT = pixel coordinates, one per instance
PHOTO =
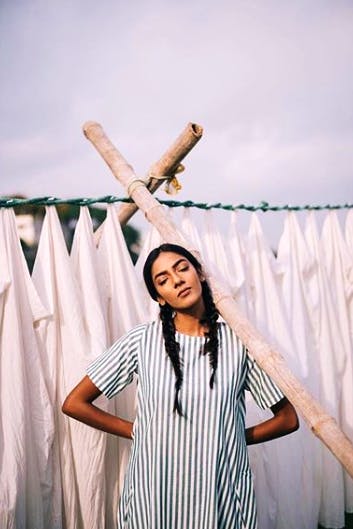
(210, 318)
(172, 348)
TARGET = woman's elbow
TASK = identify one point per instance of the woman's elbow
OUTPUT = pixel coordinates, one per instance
(68, 407)
(65, 408)
(287, 416)
(77, 400)
(294, 423)
(292, 419)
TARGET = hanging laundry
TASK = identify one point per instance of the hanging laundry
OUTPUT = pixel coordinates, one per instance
(349, 230)
(281, 463)
(26, 419)
(339, 268)
(331, 364)
(236, 255)
(66, 475)
(66, 340)
(188, 227)
(151, 240)
(125, 309)
(214, 251)
(84, 258)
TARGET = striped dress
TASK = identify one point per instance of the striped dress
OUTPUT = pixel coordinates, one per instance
(192, 471)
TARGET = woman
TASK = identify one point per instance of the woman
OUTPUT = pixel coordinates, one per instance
(188, 465)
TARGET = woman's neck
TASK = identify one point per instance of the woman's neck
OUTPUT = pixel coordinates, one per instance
(189, 324)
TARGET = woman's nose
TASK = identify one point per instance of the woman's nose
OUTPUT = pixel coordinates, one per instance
(177, 280)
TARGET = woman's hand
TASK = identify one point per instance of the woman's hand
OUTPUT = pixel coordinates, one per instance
(78, 404)
(284, 421)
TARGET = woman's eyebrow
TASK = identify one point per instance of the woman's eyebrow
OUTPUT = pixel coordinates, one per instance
(175, 265)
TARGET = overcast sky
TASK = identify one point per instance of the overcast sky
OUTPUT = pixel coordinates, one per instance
(271, 82)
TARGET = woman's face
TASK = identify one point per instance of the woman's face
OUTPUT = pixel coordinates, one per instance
(177, 282)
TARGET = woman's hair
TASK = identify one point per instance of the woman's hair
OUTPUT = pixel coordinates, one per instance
(167, 312)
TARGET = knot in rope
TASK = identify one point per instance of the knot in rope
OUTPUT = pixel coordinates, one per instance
(172, 184)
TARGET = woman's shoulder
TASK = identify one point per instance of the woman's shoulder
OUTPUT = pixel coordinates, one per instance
(223, 327)
(229, 335)
(141, 328)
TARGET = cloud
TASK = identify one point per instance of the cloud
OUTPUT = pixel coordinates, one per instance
(270, 82)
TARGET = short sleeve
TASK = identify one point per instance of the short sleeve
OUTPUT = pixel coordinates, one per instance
(115, 368)
(265, 392)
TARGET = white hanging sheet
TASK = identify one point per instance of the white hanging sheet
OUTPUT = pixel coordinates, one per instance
(349, 243)
(298, 267)
(121, 290)
(268, 306)
(125, 308)
(188, 227)
(329, 373)
(26, 420)
(339, 267)
(152, 240)
(67, 342)
(236, 255)
(214, 252)
(279, 464)
(349, 230)
(84, 258)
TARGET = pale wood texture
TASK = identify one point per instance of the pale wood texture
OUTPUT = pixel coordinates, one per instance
(322, 424)
(167, 165)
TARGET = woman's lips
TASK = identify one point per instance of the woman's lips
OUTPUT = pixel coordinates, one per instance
(184, 292)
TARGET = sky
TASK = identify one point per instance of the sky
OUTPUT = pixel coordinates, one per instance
(270, 82)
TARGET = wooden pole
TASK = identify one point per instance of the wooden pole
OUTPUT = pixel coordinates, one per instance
(323, 425)
(167, 165)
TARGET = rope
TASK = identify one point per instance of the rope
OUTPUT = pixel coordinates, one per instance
(263, 206)
(52, 201)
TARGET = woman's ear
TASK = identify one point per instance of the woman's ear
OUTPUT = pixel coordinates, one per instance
(202, 276)
(161, 301)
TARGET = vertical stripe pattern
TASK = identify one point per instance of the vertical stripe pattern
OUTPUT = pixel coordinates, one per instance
(192, 471)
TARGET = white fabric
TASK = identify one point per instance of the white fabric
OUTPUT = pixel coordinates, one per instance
(297, 267)
(214, 251)
(302, 301)
(331, 355)
(278, 464)
(120, 287)
(189, 230)
(339, 266)
(238, 264)
(84, 258)
(26, 421)
(125, 307)
(152, 240)
(86, 269)
(67, 341)
(349, 230)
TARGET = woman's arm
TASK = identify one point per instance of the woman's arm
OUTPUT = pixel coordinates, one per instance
(284, 421)
(78, 404)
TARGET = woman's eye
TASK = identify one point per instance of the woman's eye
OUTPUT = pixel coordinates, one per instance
(162, 282)
(183, 269)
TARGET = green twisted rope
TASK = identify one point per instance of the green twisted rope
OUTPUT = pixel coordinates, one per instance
(263, 206)
(52, 201)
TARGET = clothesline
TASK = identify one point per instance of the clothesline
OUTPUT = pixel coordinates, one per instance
(8, 202)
